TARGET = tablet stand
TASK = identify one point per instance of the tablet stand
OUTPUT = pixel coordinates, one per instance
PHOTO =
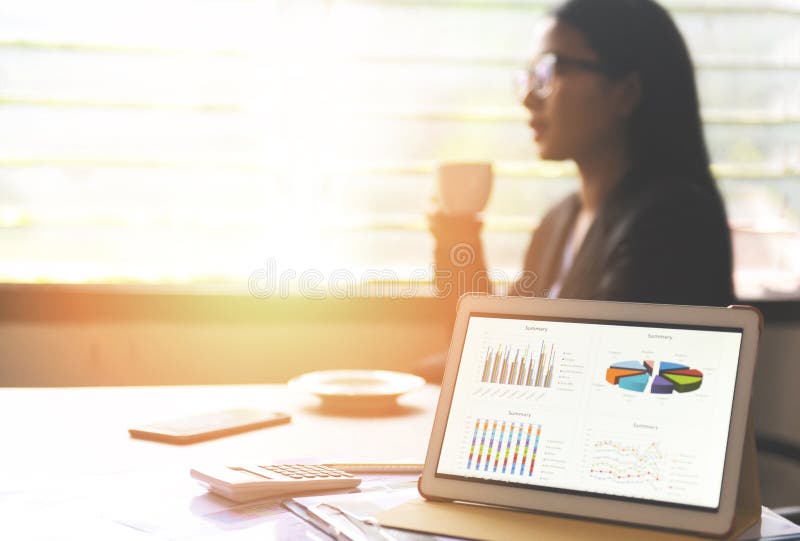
(748, 498)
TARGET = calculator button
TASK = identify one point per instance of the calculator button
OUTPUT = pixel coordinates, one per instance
(303, 471)
(255, 471)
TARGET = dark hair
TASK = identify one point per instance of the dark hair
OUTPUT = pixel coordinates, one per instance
(639, 36)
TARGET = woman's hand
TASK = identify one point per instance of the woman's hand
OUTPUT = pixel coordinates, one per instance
(453, 228)
(458, 255)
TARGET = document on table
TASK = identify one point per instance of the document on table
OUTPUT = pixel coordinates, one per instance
(771, 526)
(349, 516)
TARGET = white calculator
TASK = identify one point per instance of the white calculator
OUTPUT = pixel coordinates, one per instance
(246, 483)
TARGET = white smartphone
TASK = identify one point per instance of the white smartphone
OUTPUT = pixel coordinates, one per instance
(208, 426)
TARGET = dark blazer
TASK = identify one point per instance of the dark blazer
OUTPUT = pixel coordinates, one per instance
(661, 242)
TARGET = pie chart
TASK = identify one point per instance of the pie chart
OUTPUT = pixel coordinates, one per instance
(667, 377)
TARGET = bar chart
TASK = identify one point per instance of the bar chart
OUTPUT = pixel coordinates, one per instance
(521, 366)
(502, 446)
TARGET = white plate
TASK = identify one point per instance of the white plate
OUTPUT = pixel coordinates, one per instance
(350, 386)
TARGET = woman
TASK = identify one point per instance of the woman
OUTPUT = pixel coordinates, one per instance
(612, 88)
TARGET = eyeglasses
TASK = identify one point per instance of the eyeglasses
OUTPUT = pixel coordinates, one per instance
(539, 78)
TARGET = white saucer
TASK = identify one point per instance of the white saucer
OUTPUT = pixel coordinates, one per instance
(345, 387)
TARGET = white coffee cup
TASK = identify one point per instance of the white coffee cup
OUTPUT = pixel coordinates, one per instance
(464, 188)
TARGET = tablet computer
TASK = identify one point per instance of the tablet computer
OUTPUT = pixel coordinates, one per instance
(625, 412)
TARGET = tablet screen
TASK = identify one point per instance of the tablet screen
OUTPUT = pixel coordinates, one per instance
(620, 409)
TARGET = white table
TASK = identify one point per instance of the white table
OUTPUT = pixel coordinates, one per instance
(68, 468)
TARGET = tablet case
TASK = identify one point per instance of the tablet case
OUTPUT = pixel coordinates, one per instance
(491, 523)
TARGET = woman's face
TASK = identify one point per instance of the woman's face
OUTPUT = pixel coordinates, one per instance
(585, 111)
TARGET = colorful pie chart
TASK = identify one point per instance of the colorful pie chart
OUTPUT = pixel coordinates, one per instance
(667, 377)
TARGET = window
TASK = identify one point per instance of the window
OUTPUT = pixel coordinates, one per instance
(196, 141)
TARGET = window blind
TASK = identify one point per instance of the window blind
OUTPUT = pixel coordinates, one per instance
(196, 140)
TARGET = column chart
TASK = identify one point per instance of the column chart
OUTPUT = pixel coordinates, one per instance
(504, 447)
(527, 367)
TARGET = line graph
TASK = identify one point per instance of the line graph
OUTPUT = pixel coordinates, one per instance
(625, 463)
